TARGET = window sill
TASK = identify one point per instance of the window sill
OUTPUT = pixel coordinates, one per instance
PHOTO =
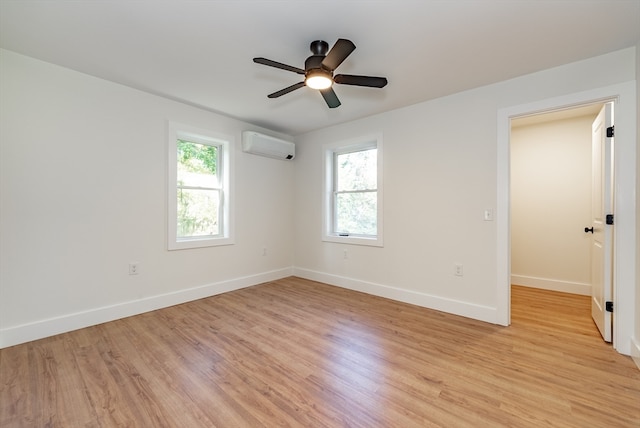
(199, 243)
(354, 240)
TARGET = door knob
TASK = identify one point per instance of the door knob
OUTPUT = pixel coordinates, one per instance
(588, 229)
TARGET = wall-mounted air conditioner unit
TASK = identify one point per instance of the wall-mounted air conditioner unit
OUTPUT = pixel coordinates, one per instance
(264, 145)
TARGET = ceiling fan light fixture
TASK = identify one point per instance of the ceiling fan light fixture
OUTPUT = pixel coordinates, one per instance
(318, 79)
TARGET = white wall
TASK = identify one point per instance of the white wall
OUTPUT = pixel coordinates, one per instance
(83, 193)
(551, 204)
(635, 345)
(441, 172)
(437, 182)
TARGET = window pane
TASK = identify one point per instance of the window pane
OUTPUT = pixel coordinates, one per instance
(197, 213)
(197, 164)
(357, 170)
(356, 213)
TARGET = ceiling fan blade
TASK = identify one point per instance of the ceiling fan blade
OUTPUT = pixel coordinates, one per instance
(279, 65)
(330, 97)
(338, 53)
(350, 79)
(286, 90)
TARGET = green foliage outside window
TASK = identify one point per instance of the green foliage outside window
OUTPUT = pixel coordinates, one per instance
(356, 193)
(199, 158)
(198, 189)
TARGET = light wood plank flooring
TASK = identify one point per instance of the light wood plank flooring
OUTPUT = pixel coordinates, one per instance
(304, 354)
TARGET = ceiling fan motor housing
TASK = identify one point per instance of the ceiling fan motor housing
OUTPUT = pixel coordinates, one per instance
(313, 65)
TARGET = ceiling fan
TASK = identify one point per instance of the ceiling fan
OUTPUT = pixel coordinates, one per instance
(319, 68)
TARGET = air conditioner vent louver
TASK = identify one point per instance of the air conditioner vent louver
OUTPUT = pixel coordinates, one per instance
(265, 145)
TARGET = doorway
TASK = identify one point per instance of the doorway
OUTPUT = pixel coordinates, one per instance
(551, 194)
(550, 157)
(624, 248)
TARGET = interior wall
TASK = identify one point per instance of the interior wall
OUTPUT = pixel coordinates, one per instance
(635, 345)
(83, 193)
(551, 204)
(440, 175)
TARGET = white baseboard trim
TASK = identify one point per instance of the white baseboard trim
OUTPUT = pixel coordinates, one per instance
(456, 307)
(552, 284)
(635, 351)
(11, 336)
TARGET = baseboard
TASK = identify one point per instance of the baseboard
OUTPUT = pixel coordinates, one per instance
(552, 284)
(635, 351)
(456, 307)
(49, 327)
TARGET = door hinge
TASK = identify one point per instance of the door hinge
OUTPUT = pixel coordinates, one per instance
(610, 131)
(609, 219)
(609, 306)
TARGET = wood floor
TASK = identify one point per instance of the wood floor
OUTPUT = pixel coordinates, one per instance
(303, 354)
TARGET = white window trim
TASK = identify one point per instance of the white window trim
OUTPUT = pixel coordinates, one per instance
(203, 136)
(328, 150)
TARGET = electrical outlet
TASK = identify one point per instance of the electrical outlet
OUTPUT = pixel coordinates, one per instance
(488, 215)
(346, 254)
(264, 251)
(134, 268)
(458, 269)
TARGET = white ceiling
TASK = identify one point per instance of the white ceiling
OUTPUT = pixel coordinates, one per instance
(200, 52)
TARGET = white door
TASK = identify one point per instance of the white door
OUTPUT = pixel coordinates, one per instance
(602, 233)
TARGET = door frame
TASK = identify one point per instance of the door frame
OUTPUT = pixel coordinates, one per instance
(624, 247)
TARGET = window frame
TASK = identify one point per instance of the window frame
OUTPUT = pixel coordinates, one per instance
(330, 152)
(224, 143)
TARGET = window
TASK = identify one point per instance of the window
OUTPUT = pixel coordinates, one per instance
(198, 188)
(353, 192)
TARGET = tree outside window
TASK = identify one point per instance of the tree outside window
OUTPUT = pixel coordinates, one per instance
(198, 190)
(356, 193)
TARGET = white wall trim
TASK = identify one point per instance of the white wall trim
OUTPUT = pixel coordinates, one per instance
(635, 351)
(552, 284)
(456, 307)
(623, 95)
(11, 336)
